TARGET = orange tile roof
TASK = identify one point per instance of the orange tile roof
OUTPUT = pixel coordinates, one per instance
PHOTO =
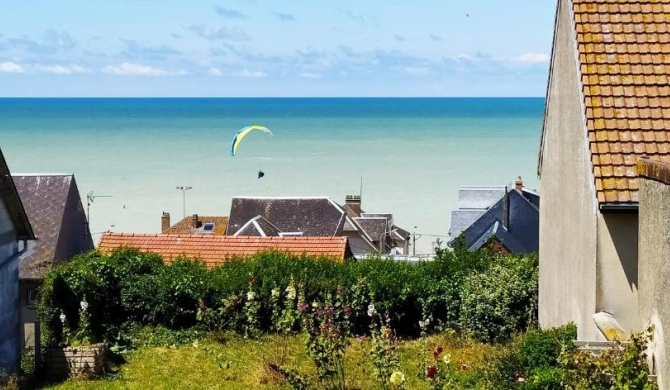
(185, 226)
(215, 250)
(624, 57)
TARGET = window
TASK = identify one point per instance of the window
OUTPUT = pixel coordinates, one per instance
(208, 227)
(33, 298)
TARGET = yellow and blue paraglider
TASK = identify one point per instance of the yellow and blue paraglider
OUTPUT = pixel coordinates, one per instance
(235, 143)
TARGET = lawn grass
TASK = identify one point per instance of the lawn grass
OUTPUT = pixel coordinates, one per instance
(225, 361)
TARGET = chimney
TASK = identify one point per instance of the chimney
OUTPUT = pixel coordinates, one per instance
(196, 222)
(518, 184)
(353, 203)
(505, 211)
(165, 221)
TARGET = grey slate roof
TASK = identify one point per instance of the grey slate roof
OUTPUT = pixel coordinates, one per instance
(522, 232)
(12, 200)
(258, 226)
(54, 207)
(375, 227)
(482, 197)
(316, 216)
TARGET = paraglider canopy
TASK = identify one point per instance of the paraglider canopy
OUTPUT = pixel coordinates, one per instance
(235, 143)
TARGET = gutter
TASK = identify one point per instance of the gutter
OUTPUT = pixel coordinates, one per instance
(620, 207)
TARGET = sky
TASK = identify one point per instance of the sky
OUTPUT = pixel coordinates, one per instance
(291, 48)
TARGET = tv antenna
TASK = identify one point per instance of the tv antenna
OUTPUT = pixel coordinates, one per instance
(90, 197)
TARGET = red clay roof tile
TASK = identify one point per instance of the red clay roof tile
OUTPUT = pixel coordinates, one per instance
(215, 250)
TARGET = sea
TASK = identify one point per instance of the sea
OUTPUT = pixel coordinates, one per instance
(405, 156)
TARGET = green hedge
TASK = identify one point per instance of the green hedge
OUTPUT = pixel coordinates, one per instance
(480, 294)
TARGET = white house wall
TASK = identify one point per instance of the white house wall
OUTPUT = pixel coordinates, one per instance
(617, 283)
(568, 214)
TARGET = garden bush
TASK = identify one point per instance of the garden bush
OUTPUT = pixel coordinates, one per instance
(497, 303)
(480, 294)
(531, 360)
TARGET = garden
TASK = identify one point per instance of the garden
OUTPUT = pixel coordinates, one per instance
(465, 320)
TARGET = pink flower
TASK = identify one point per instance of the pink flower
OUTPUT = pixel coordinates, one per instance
(347, 310)
(520, 379)
(431, 371)
(360, 339)
(437, 352)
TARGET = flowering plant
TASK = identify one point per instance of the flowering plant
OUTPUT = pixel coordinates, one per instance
(439, 372)
(252, 306)
(384, 351)
(328, 329)
(82, 336)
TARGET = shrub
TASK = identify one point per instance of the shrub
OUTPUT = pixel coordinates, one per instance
(485, 296)
(500, 301)
(622, 367)
(531, 360)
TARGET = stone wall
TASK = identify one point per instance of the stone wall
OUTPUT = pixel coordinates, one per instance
(654, 262)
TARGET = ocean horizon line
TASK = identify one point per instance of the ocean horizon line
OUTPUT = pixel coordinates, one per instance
(271, 97)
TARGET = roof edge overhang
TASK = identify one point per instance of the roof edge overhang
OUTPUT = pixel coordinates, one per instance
(547, 94)
(9, 194)
(619, 207)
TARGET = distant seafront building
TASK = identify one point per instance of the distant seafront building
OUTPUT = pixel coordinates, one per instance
(608, 103)
(367, 233)
(506, 217)
(15, 232)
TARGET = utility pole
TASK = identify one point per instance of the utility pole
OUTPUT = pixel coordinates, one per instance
(183, 195)
(414, 241)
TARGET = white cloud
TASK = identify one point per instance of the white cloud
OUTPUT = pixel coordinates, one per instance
(130, 69)
(11, 67)
(251, 73)
(310, 75)
(214, 72)
(533, 58)
(223, 33)
(60, 69)
(417, 71)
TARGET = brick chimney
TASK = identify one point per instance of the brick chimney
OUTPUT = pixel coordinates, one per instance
(165, 221)
(196, 222)
(518, 184)
(353, 203)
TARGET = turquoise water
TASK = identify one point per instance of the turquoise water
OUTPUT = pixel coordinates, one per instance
(412, 153)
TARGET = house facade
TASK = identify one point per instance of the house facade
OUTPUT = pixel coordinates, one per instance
(607, 98)
(57, 215)
(15, 231)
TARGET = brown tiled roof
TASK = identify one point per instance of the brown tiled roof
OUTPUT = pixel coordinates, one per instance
(624, 58)
(215, 250)
(185, 226)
